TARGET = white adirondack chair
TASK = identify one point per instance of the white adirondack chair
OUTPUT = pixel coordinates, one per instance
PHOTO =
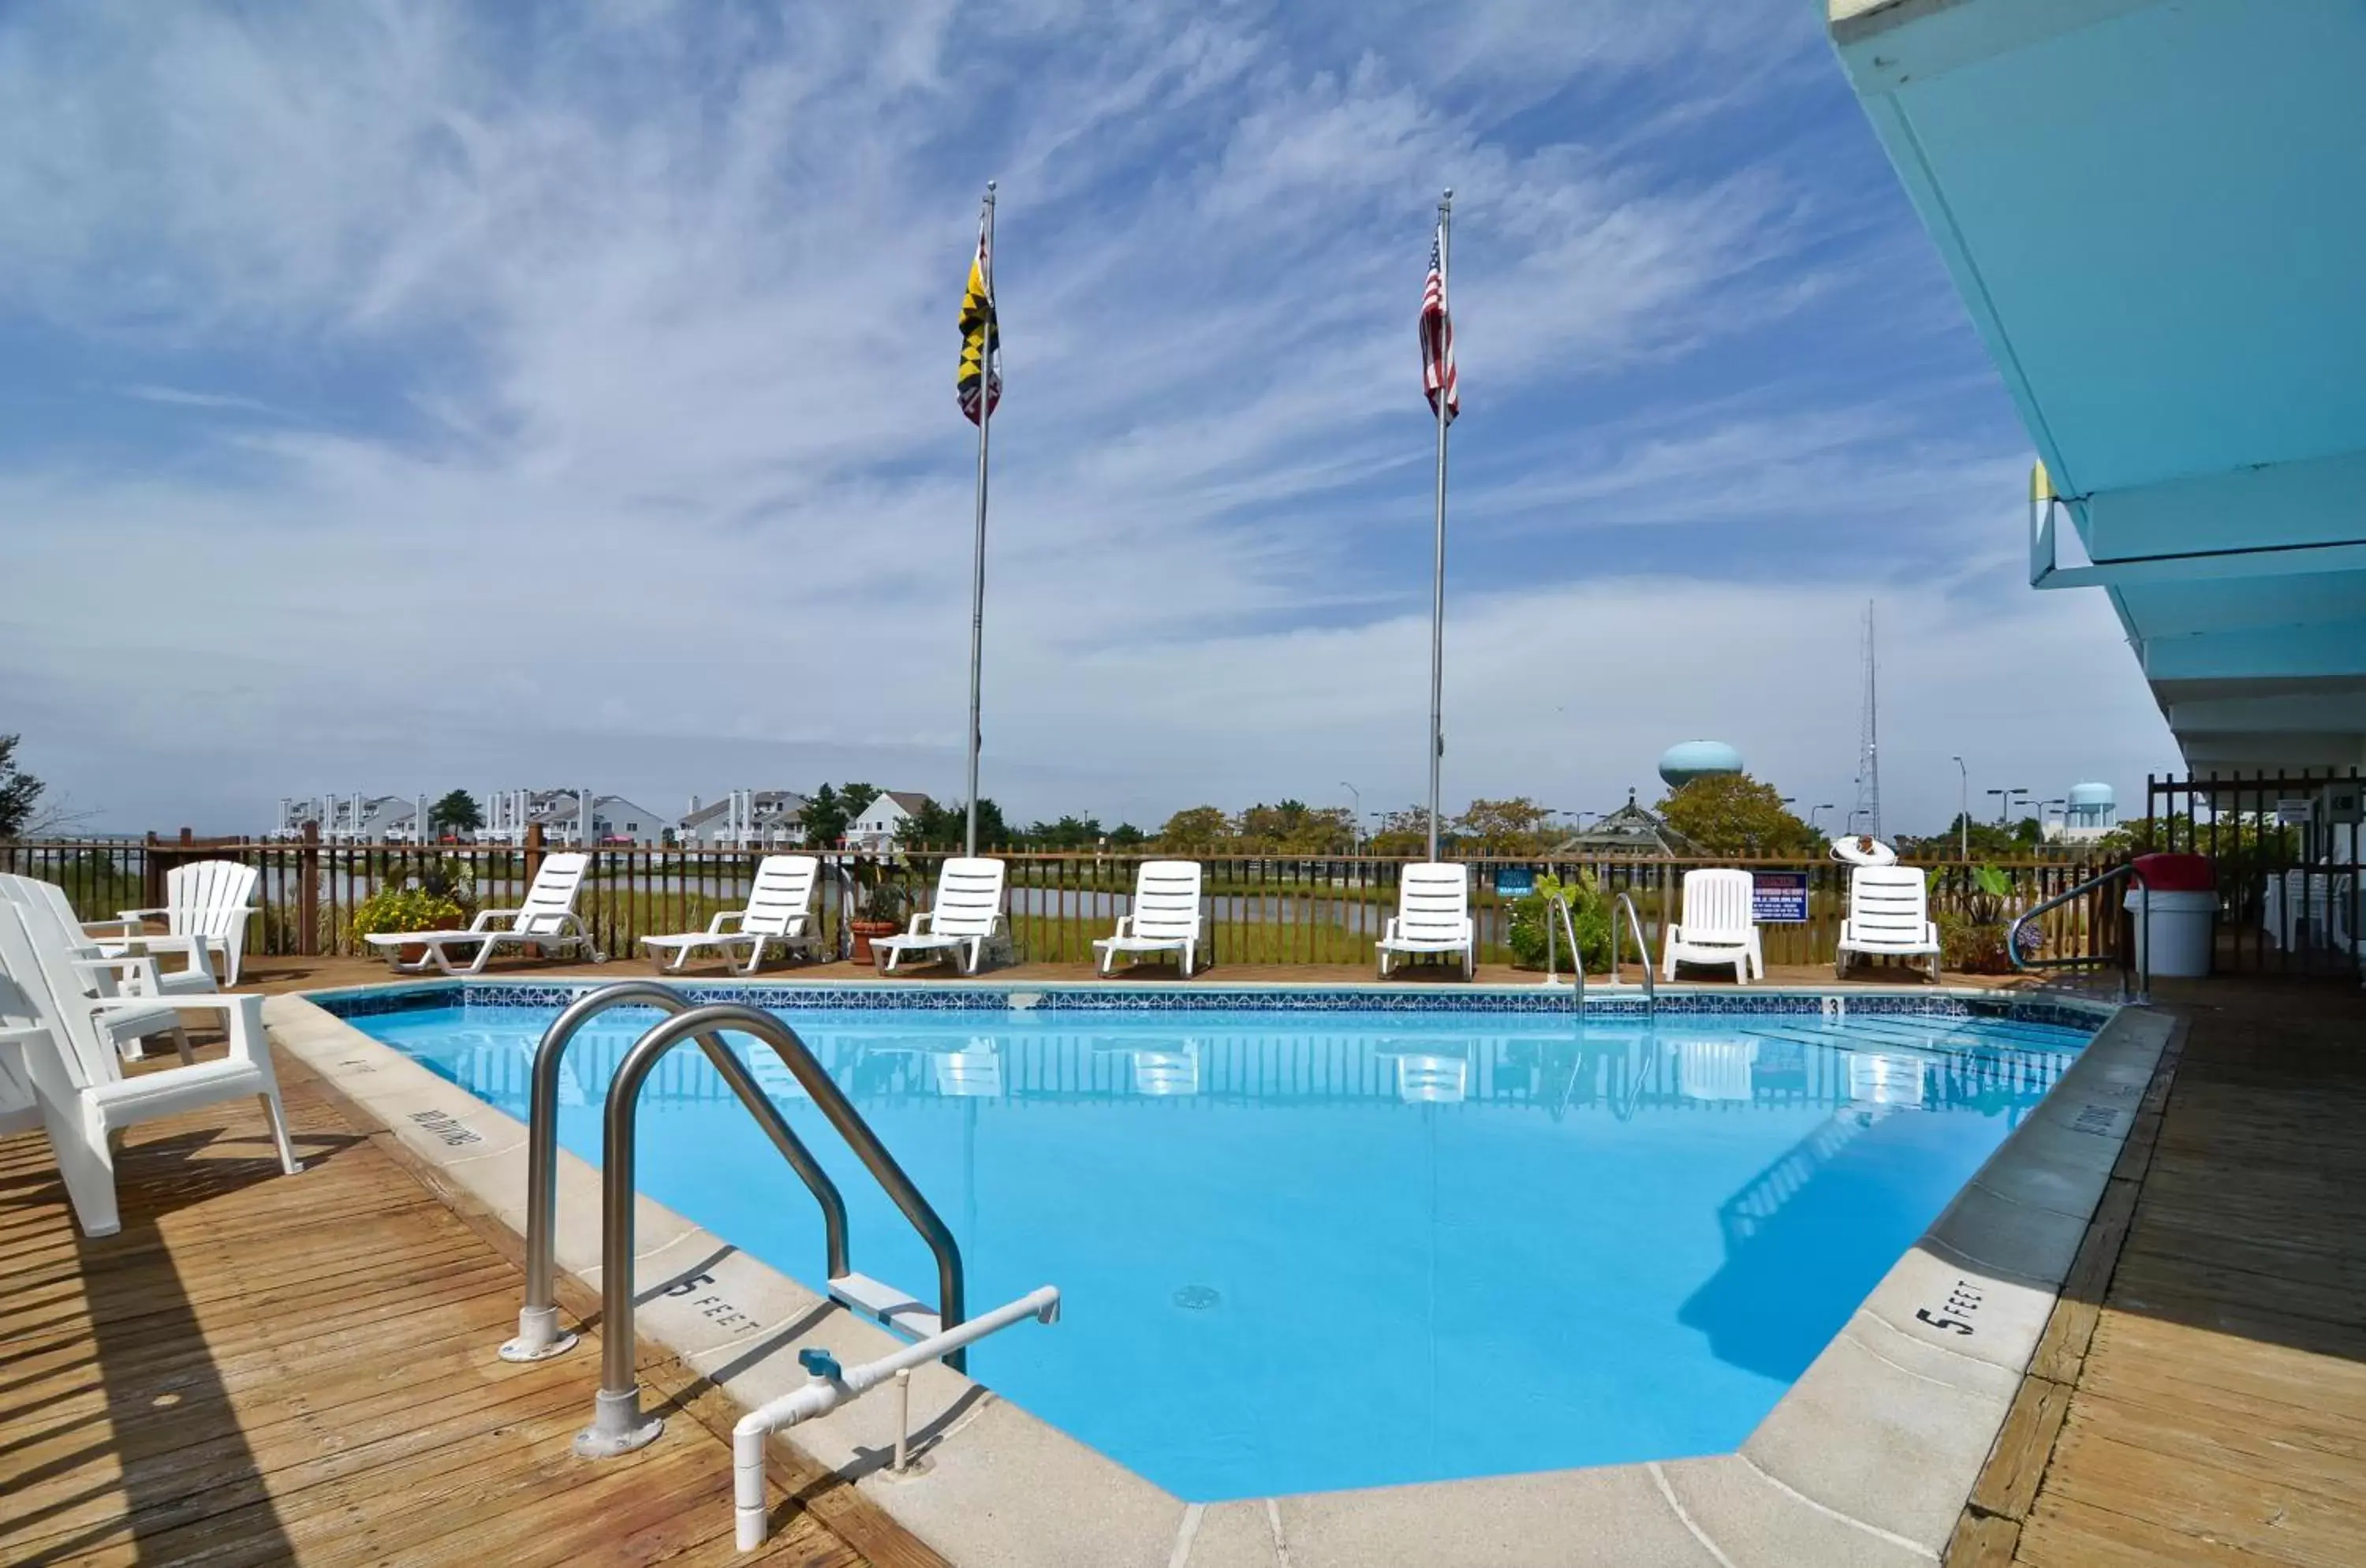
(547, 920)
(1433, 916)
(195, 971)
(130, 988)
(1718, 927)
(964, 913)
(1164, 917)
(1889, 912)
(780, 909)
(207, 904)
(79, 1087)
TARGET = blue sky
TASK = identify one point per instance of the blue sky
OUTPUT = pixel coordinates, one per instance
(396, 398)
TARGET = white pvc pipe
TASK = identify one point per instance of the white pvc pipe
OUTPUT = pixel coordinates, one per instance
(825, 1393)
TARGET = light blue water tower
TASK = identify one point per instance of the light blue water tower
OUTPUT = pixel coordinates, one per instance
(2091, 812)
(1688, 759)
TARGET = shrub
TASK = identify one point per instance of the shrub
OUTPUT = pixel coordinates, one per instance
(405, 909)
(1589, 917)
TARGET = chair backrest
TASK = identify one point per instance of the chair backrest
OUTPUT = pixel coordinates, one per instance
(1432, 900)
(32, 960)
(552, 897)
(969, 897)
(208, 897)
(1166, 899)
(1889, 903)
(1717, 903)
(34, 893)
(49, 918)
(1433, 1079)
(782, 895)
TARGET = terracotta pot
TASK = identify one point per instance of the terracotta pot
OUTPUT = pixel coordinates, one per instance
(864, 930)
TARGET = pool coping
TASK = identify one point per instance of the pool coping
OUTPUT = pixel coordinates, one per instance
(1868, 1458)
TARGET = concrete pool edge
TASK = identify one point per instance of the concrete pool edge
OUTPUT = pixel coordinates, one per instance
(1869, 1457)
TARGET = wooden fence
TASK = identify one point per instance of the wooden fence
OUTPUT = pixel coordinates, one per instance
(1259, 908)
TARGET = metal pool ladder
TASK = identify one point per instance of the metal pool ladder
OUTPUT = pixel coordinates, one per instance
(619, 1424)
(1577, 959)
(2136, 971)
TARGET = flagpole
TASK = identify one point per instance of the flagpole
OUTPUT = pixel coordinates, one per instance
(1438, 584)
(977, 573)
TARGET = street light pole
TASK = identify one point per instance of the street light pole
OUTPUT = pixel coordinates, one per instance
(1355, 823)
(1964, 813)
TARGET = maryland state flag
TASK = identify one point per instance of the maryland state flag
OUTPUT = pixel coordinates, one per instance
(981, 352)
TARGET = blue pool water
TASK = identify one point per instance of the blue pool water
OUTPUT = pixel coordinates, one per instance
(1314, 1250)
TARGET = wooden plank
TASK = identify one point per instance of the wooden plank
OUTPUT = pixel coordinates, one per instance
(2008, 1482)
(268, 1370)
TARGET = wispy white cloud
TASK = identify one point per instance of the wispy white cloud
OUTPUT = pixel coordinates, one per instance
(637, 323)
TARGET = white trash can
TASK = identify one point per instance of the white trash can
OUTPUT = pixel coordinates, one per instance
(2174, 931)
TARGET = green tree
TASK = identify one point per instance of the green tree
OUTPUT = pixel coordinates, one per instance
(856, 798)
(1126, 836)
(1200, 829)
(824, 819)
(936, 827)
(1402, 833)
(1070, 832)
(457, 813)
(1514, 827)
(1733, 814)
(19, 791)
(1295, 828)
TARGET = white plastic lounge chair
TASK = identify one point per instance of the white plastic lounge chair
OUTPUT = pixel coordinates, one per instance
(780, 909)
(1164, 917)
(1433, 916)
(80, 1089)
(967, 909)
(547, 920)
(1718, 927)
(75, 966)
(1889, 911)
(205, 908)
(195, 973)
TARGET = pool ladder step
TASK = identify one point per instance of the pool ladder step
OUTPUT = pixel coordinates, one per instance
(897, 1309)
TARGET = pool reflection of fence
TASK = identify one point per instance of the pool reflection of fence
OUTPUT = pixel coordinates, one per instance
(1623, 1070)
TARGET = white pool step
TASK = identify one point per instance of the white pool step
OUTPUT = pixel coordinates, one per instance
(891, 1306)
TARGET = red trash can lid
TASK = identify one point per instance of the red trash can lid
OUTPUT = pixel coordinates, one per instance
(2176, 872)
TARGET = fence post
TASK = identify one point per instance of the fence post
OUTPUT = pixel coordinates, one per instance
(308, 893)
(533, 852)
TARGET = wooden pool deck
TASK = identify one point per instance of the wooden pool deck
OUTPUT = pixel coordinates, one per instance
(263, 1369)
(2200, 1395)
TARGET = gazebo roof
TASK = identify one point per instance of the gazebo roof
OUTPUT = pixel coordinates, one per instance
(1633, 830)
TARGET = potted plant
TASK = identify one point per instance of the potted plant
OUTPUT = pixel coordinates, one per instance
(406, 908)
(886, 902)
(1972, 935)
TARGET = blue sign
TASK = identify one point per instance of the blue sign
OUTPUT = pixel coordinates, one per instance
(1514, 883)
(1778, 897)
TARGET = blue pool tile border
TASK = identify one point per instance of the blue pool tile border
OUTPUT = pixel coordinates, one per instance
(414, 997)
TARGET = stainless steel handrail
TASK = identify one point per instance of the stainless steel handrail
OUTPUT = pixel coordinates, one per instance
(1642, 950)
(539, 1337)
(617, 1425)
(2142, 939)
(1577, 960)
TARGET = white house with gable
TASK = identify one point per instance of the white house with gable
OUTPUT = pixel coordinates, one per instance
(876, 829)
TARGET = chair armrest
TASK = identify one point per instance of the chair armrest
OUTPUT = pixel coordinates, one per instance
(1389, 931)
(141, 967)
(1470, 931)
(98, 928)
(1124, 928)
(926, 921)
(714, 927)
(134, 917)
(483, 916)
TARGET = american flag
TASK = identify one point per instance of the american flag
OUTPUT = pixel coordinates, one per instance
(1437, 339)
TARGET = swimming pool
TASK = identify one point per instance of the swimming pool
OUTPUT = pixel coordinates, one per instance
(1308, 1250)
